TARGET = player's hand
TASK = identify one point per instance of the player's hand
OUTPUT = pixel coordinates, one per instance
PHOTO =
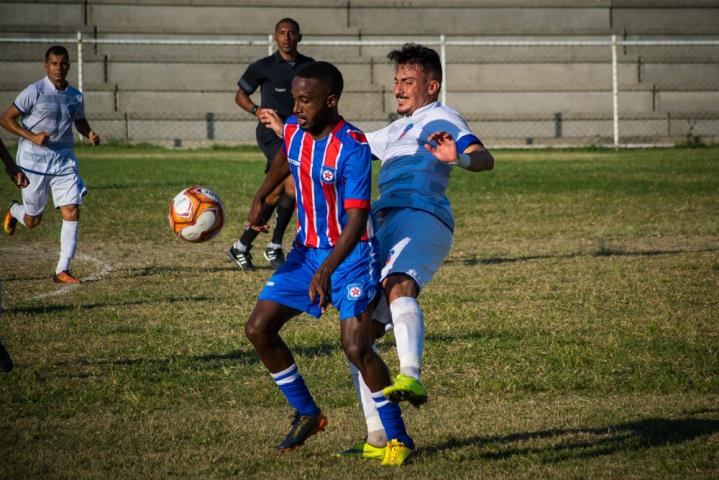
(320, 287)
(17, 176)
(442, 146)
(93, 138)
(254, 219)
(40, 138)
(271, 120)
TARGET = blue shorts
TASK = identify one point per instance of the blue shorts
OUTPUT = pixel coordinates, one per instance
(354, 283)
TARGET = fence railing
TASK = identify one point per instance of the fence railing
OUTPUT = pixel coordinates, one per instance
(593, 121)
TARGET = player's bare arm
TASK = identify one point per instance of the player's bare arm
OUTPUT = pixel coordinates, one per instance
(271, 120)
(16, 175)
(9, 121)
(279, 171)
(444, 149)
(83, 127)
(352, 232)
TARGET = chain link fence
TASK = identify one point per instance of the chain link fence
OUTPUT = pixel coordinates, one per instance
(179, 91)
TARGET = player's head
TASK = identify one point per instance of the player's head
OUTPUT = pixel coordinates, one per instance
(287, 35)
(316, 90)
(418, 77)
(57, 64)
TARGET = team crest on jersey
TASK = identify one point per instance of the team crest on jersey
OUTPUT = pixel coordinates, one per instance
(406, 129)
(328, 175)
(354, 291)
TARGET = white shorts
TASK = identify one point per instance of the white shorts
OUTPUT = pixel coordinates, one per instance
(66, 190)
(412, 242)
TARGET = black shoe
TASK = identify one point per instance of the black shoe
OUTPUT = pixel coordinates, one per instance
(242, 259)
(302, 428)
(5, 360)
(275, 256)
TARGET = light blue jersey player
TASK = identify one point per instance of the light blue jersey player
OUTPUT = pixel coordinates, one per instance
(414, 217)
(43, 115)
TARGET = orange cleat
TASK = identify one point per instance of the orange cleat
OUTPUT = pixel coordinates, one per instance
(8, 221)
(65, 277)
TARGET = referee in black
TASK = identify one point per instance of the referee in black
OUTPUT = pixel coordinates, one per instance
(273, 75)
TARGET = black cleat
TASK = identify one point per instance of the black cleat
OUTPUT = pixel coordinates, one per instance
(274, 256)
(242, 259)
(302, 428)
(5, 360)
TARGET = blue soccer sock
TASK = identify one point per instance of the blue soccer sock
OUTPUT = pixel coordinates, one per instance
(293, 387)
(391, 416)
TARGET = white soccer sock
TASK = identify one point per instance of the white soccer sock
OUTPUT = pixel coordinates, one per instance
(408, 322)
(239, 246)
(18, 212)
(375, 430)
(274, 246)
(68, 245)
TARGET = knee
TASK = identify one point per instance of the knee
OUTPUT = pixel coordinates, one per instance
(256, 331)
(356, 352)
(32, 222)
(70, 213)
(400, 285)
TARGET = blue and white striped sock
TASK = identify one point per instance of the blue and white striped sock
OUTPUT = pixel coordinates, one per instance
(293, 387)
(391, 416)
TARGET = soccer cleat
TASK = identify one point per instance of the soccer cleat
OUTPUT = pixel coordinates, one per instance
(274, 256)
(302, 428)
(242, 259)
(406, 388)
(363, 449)
(395, 453)
(8, 221)
(65, 277)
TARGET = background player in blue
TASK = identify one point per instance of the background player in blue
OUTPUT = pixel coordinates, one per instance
(333, 259)
(47, 110)
(273, 76)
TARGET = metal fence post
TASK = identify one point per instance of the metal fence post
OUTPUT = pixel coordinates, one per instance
(615, 92)
(443, 58)
(79, 61)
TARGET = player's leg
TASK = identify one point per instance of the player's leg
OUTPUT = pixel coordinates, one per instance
(262, 329)
(29, 212)
(68, 192)
(356, 334)
(414, 243)
(285, 209)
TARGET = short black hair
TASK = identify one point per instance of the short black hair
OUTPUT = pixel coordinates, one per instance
(294, 23)
(418, 56)
(57, 50)
(325, 73)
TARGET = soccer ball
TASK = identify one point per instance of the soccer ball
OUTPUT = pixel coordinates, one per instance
(196, 214)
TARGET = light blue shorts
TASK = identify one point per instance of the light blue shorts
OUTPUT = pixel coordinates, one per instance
(66, 190)
(412, 242)
(354, 283)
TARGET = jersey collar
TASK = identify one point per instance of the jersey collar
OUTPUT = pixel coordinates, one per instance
(426, 108)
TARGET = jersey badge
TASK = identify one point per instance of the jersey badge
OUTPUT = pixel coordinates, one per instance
(406, 129)
(328, 175)
(354, 291)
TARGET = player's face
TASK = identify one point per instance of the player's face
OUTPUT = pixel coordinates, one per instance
(312, 104)
(287, 37)
(413, 88)
(57, 67)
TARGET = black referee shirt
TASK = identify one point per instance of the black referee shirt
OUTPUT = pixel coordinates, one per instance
(274, 77)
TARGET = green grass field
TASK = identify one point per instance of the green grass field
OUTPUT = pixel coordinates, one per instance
(572, 332)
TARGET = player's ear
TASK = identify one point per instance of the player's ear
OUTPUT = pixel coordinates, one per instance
(433, 87)
(332, 100)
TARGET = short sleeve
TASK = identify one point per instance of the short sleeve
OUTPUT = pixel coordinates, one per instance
(25, 101)
(80, 112)
(464, 137)
(377, 141)
(357, 175)
(252, 78)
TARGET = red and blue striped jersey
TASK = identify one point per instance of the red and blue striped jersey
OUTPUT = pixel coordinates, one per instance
(331, 175)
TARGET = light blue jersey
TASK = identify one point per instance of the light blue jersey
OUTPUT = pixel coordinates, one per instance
(44, 108)
(410, 175)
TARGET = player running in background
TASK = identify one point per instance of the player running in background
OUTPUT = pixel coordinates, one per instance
(273, 75)
(47, 110)
(333, 259)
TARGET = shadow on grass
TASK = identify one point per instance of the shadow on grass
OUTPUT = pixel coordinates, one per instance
(557, 445)
(50, 309)
(600, 252)
(163, 270)
(178, 363)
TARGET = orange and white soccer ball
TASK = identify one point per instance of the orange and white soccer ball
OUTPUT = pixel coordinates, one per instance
(196, 214)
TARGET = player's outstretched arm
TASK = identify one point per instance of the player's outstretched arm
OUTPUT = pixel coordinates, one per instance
(84, 128)
(279, 170)
(9, 121)
(271, 120)
(16, 175)
(321, 285)
(474, 158)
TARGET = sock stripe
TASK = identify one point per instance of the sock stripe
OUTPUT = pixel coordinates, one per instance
(290, 371)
